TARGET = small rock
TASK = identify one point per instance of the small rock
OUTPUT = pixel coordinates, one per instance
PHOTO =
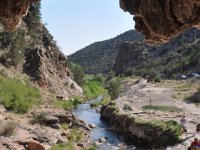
(81, 145)
(51, 119)
(102, 140)
(35, 146)
(91, 125)
(56, 126)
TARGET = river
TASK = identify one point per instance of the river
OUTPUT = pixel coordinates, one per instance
(90, 115)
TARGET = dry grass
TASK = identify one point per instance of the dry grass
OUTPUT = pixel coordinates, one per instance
(7, 128)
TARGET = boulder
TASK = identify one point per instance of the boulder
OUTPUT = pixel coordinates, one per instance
(35, 146)
(65, 117)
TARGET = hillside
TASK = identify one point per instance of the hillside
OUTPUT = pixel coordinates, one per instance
(31, 50)
(99, 57)
(179, 54)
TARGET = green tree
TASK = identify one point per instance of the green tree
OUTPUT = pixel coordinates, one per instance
(78, 74)
(33, 22)
(110, 75)
(114, 88)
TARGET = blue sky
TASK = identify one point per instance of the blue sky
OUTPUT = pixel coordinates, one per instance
(78, 23)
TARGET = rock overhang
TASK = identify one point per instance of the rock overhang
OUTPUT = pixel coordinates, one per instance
(159, 20)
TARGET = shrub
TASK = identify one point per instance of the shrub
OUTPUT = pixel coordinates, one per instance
(17, 96)
(114, 88)
(127, 107)
(7, 128)
(104, 101)
(76, 135)
(78, 74)
(63, 146)
(92, 89)
(39, 118)
(128, 72)
(157, 79)
(99, 78)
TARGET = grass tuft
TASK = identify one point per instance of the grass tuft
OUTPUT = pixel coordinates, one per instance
(63, 146)
(163, 108)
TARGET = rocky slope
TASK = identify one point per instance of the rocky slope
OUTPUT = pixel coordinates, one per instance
(31, 50)
(159, 20)
(99, 57)
(168, 59)
(30, 60)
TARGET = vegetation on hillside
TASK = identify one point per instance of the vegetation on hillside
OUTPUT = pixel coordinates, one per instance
(78, 74)
(14, 44)
(180, 55)
(99, 57)
(17, 96)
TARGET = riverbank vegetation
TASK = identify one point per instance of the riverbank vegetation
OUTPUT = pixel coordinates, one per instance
(67, 104)
(75, 136)
(93, 87)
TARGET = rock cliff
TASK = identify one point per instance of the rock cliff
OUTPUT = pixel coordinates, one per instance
(140, 59)
(159, 20)
(12, 11)
(131, 54)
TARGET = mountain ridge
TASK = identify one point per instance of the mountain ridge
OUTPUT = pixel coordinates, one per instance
(94, 54)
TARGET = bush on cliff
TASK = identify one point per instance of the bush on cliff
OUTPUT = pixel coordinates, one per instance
(78, 74)
(17, 96)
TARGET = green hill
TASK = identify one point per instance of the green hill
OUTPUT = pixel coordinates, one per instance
(99, 57)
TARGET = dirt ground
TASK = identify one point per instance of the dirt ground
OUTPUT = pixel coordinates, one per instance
(138, 93)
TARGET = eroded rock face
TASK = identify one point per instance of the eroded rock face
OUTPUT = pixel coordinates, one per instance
(159, 20)
(11, 12)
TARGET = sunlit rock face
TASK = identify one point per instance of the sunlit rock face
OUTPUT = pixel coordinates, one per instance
(11, 12)
(159, 20)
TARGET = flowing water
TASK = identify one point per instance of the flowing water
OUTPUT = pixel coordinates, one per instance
(89, 115)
